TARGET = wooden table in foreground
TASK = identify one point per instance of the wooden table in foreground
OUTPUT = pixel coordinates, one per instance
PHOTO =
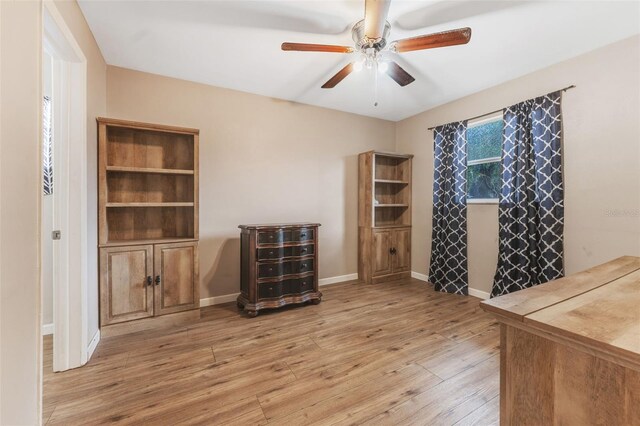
(570, 349)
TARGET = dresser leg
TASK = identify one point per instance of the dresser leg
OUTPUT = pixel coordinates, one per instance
(252, 314)
(316, 301)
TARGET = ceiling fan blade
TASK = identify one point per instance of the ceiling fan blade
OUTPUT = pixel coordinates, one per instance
(340, 75)
(375, 17)
(309, 47)
(431, 41)
(399, 75)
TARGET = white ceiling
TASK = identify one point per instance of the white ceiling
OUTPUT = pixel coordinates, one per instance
(236, 45)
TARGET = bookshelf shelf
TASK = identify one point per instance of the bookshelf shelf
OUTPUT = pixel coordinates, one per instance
(124, 169)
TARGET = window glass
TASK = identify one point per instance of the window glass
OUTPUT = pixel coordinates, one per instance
(484, 148)
(484, 140)
(483, 180)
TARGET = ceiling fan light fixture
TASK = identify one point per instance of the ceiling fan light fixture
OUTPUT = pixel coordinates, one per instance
(372, 48)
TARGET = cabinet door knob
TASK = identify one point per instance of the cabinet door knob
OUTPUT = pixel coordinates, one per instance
(302, 266)
(304, 250)
(157, 279)
(149, 280)
(303, 235)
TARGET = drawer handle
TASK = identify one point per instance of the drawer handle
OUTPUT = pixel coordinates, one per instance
(271, 253)
(303, 235)
(302, 266)
(157, 279)
(270, 269)
(149, 280)
(304, 250)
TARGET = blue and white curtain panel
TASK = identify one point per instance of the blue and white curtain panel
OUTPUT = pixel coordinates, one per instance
(531, 206)
(448, 269)
(47, 147)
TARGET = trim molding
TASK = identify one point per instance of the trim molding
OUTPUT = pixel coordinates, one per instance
(226, 298)
(419, 276)
(93, 344)
(478, 293)
(217, 300)
(337, 279)
(47, 329)
(472, 291)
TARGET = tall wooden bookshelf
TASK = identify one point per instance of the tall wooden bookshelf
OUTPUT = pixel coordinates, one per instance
(148, 220)
(384, 216)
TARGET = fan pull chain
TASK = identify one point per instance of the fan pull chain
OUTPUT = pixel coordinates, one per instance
(375, 84)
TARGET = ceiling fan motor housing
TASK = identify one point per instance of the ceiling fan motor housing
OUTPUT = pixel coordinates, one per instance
(363, 42)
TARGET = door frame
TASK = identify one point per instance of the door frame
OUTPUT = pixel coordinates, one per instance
(70, 253)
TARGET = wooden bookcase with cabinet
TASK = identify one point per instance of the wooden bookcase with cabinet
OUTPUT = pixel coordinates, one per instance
(384, 216)
(148, 220)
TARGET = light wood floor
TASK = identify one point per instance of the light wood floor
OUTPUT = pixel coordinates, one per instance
(393, 353)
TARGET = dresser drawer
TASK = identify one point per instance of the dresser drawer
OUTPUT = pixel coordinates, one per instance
(281, 252)
(302, 234)
(285, 236)
(285, 287)
(290, 267)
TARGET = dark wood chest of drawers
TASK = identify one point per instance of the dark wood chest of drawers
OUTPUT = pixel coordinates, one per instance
(278, 266)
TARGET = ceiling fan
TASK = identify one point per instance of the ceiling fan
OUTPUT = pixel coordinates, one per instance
(370, 37)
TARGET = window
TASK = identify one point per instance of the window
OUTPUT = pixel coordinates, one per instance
(484, 148)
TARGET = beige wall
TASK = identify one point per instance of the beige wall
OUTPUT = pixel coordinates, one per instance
(261, 160)
(601, 160)
(20, 189)
(19, 212)
(96, 106)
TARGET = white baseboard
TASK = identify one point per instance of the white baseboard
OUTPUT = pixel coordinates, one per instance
(93, 344)
(47, 329)
(226, 298)
(478, 293)
(217, 300)
(338, 279)
(419, 276)
(472, 291)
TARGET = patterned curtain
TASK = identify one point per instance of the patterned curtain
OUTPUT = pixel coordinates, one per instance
(448, 270)
(47, 147)
(531, 209)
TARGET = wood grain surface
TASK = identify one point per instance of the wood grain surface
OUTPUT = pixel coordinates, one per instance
(519, 304)
(362, 356)
(570, 349)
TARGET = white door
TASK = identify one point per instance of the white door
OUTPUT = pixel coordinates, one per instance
(70, 251)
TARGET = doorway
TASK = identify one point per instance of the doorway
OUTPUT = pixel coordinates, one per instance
(64, 247)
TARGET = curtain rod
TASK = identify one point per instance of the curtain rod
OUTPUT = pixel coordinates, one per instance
(498, 110)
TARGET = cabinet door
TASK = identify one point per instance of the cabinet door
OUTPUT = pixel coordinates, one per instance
(381, 256)
(402, 252)
(125, 292)
(176, 281)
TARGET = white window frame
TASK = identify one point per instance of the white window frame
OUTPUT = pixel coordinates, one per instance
(475, 123)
